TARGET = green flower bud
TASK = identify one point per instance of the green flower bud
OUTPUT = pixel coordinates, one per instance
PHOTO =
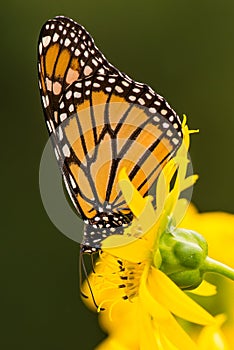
(183, 253)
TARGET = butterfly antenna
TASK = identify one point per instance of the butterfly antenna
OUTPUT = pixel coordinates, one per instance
(82, 267)
(92, 262)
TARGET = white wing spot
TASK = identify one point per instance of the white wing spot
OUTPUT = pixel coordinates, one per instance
(118, 89)
(55, 37)
(45, 100)
(60, 133)
(68, 95)
(49, 126)
(132, 98)
(175, 125)
(48, 84)
(63, 116)
(125, 83)
(152, 110)
(169, 133)
(71, 108)
(156, 119)
(40, 48)
(46, 40)
(163, 111)
(166, 125)
(111, 80)
(88, 70)
(136, 90)
(56, 153)
(148, 96)
(141, 101)
(96, 85)
(72, 181)
(171, 118)
(175, 141)
(67, 42)
(87, 83)
(77, 94)
(77, 52)
(94, 62)
(66, 151)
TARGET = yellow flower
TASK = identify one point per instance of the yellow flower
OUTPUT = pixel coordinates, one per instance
(212, 338)
(218, 229)
(141, 301)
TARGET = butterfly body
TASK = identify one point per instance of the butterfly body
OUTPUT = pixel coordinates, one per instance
(100, 121)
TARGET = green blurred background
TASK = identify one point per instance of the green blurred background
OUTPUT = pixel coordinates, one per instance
(185, 51)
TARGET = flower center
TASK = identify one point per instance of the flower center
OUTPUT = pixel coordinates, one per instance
(130, 275)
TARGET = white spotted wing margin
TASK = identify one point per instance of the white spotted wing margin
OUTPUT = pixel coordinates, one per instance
(65, 42)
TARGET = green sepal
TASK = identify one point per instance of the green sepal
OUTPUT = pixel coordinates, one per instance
(183, 253)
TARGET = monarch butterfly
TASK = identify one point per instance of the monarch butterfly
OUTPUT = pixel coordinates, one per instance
(101, 121)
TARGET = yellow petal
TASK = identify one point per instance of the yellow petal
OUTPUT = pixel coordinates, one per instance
(147, 336)
(133, 198)
(217, 228)
(127, 248)
(174, 299)
(165, 344)
(163, 319)
(212, 338)
(180, 210)
(163, 184)
(130, 248)
(205, 289)
(189, 181)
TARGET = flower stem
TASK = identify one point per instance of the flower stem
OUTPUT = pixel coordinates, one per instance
(211, 265)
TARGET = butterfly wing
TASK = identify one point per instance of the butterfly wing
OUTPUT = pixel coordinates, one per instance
(66, 53)
(104, 131)
(101, 120)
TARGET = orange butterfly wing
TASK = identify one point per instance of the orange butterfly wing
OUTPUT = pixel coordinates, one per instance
(100, 121)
